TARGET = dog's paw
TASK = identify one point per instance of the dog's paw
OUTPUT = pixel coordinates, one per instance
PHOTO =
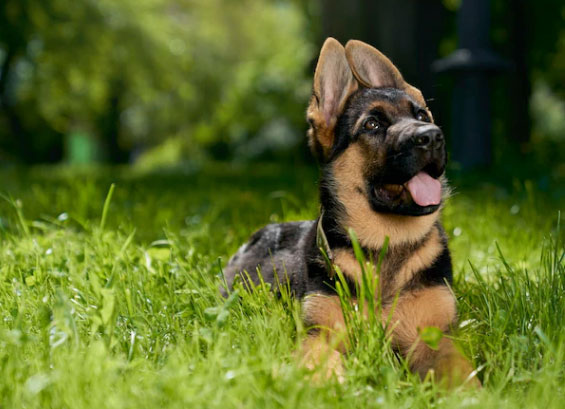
(456, 371)
(324, 362)
(330, 366)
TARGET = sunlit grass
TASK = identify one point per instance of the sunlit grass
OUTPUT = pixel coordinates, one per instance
(112, 301)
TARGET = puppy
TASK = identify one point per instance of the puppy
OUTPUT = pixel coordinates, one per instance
(382, 176)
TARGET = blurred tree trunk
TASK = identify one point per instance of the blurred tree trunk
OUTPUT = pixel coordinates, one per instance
(110, 125)
(18, 144)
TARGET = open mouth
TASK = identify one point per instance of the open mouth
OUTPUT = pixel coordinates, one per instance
(422, 189)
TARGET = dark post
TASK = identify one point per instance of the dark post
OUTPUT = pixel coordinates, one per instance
(472, 64)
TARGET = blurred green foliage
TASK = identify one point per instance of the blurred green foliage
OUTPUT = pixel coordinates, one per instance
(211, 73)
(160, 81)
(545, 59)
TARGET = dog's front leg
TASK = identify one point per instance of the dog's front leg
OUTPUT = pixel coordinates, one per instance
(323, 348)
(432, 306)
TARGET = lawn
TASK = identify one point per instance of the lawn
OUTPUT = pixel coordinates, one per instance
(108, 295)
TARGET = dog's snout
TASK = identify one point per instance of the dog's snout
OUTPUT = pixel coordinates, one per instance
(428, 137)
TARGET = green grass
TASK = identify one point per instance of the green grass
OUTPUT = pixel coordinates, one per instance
(110, 300)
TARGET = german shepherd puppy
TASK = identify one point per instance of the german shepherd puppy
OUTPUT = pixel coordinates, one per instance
(382, 164)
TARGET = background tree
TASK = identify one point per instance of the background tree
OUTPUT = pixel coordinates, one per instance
(135, 73)
(164, 81)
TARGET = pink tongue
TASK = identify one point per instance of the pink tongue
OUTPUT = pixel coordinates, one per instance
(425, 190)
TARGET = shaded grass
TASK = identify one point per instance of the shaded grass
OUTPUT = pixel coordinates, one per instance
(116, 305)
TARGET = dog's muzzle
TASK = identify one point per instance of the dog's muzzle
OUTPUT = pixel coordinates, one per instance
(428, 137)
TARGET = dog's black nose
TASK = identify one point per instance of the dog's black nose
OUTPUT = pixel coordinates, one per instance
(428, 137)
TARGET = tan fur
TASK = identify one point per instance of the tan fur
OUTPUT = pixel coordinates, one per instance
(323, 348)
(319, 132)
(318, 354)
(417, 96)
(324, 312)
(423, 257)
(370, 227)
(432, 306)
(348, 264)
(452, 369)
(397, 277)
(388, 108)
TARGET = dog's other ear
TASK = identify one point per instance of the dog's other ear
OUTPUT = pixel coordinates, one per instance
(374, 70)
(333, 84)
(371, 67)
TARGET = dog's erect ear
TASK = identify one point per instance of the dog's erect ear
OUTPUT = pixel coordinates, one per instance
(373, 69)
(333, 83)
(333, 79)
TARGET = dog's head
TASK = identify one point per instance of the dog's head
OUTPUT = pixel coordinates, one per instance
(374, 134)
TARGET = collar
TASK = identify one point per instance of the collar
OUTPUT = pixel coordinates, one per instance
(323, 244)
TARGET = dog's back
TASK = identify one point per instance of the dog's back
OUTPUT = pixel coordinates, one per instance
(278, 251)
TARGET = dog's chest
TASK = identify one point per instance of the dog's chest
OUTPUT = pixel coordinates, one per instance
(398, 267)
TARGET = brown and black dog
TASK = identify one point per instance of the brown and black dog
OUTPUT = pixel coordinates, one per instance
(382, 164)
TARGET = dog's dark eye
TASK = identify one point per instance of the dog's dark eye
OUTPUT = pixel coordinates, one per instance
(422, 116)
(371, 124)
